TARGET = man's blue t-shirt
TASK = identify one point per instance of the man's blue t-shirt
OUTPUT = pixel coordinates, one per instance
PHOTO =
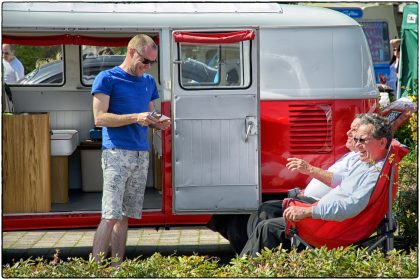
(128, 94)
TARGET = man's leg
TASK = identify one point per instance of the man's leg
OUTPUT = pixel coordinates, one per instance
(268, 233)
(119, 239)
(115, 172)
(102, 238)
(268, 210)
(132, 200)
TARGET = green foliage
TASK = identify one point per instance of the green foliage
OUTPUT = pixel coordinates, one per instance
(405, 207)
(407, 133)
(34, 56)
(348, 262)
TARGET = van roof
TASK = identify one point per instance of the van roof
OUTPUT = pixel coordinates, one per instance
(77, 16)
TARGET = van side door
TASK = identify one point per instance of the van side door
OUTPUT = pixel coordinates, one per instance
(215, 134)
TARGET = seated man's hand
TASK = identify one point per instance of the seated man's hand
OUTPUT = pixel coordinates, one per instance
(299, 165)
(297, 213)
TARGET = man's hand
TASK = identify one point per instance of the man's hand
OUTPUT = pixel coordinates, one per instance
(145, 119)
(300, 165)
(163, 125)
(297, 213)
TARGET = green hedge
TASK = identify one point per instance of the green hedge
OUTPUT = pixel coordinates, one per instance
(405, 206)
(348, 262)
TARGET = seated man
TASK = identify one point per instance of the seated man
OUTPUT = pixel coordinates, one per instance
(372, 140)
(322, 182)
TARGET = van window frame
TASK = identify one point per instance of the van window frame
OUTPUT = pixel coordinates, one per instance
(56, 85)
(157, 64)
(213, 87)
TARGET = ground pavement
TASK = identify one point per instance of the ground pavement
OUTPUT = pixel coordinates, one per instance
(140, 242)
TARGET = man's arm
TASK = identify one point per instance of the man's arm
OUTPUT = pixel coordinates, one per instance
(19, 71)
(103, 118)
(304, 167)
(349, 200)
(297, 213)
(340, 205)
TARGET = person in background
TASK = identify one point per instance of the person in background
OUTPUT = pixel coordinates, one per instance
(372, 140)
(323, 180)
(13, 69)
(106, 51)
(123, 105)
(394, 66)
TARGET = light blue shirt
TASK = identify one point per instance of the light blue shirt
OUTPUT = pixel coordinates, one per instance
(316, 189)
(352, 196)
(13, 71)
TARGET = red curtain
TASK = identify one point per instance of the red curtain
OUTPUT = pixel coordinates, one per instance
(214, 38)
(38, 40)
(68, 39)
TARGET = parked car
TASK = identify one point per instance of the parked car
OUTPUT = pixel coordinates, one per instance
(52, 73)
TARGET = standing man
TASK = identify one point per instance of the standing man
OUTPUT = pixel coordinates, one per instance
(13, 69)
(122, 104)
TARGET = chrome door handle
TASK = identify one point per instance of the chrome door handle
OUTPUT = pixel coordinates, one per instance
(248, 130)
(251, 127)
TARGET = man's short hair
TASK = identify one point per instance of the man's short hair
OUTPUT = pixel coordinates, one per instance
(140, 41)
(12, 47)
(381, 126)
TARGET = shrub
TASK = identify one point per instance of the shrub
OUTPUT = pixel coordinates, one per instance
(405, 206)
(348, 262)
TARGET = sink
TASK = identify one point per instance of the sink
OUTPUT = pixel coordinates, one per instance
(64, 142)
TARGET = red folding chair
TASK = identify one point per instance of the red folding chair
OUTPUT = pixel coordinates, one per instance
(376, 216)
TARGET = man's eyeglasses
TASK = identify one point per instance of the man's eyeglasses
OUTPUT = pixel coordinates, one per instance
(6, 53)
(362, 141)
(144, 60)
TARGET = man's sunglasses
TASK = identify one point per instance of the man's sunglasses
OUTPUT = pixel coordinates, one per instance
(144, 60)
(360, 140)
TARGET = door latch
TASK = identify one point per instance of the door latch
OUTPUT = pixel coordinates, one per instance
(250, 127)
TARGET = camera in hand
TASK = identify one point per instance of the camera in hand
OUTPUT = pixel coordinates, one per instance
(293, 193)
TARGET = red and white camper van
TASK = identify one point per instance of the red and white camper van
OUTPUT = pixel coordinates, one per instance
(247, 85)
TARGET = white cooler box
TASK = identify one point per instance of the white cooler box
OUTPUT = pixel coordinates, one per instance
(92, 179)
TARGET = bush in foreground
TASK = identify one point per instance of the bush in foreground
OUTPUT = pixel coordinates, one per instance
(348, 262)
(405, 206)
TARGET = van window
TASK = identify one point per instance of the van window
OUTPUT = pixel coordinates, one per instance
(215, 66)
(43, 65)
(98, 58)
(378, 39)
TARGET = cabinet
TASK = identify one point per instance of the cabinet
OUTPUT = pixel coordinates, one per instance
(26, 163)
(60, 179)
